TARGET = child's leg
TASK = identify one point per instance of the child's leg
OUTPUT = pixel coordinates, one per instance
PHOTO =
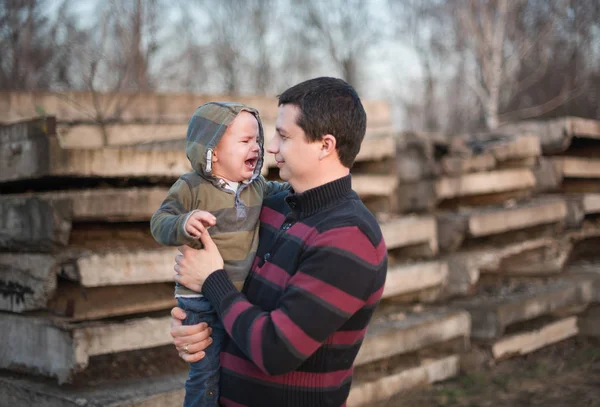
(202, 386)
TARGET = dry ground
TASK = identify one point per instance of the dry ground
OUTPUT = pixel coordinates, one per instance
(565, 374)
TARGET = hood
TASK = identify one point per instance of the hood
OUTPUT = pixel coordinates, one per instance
(205, 129)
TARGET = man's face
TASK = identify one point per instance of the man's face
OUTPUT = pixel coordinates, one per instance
(237, 153)
(297, 159)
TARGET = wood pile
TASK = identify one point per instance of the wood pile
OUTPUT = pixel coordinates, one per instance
(490, 240)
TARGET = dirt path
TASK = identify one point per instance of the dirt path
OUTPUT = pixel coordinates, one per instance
(564, 375)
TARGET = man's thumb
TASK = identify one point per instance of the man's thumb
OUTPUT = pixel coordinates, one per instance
(207, 241)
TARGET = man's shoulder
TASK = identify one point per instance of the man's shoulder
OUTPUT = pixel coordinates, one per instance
(351, 214)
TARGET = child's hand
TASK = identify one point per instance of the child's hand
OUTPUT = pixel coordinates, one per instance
(198, 222)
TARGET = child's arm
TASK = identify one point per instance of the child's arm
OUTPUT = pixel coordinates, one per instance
(175, 223)
(274, 187)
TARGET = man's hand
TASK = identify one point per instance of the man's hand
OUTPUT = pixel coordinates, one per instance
(190, 340)
(197, 223)
(193, 266)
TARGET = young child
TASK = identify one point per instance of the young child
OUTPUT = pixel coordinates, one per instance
(223, 194)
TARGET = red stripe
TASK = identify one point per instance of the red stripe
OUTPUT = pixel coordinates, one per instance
(376, 296)
(327, 292)
(299, 379)
(346, 337)
(301, 230)
(229, 403)
(303, 343)
(274, 274)
(256, 341)
(233, 312)
(271, 217)
(352, 240)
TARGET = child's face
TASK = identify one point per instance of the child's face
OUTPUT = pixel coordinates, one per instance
(237, 153)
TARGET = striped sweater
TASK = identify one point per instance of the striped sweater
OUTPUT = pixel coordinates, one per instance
(298, 324)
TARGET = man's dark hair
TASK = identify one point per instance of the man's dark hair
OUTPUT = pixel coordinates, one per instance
(329, 106)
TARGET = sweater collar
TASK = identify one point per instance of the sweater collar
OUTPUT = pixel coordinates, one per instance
(311, 201)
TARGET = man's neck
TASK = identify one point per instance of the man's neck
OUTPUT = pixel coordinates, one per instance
(323, 177)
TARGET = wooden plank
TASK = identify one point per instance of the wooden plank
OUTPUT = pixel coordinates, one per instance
(153, 107)
(523, 343)
(484, 183)
(34, 224)
(404, 279)
(78, 303)
(432, 371)
(69, 346)
(539, 212)
(578, 167)
(388, 336)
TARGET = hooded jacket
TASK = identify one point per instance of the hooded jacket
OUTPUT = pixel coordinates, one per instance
(237, 213)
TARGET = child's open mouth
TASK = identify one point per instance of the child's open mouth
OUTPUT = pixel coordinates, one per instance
(251, 163)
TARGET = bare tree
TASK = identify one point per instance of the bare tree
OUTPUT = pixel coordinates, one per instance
(343, 29)
(32, 55)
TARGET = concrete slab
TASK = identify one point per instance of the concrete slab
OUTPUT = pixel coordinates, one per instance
(30, 279)
(374, 185)
(67, 347)
(101, 204)
(76, 303)
(142, 107)
(492, 313)
(556, 134)
(431, 371)
(526, 342)
(578, 167)
(34, 224)
(413, 278)
(589, 321)
(485, 183)
(534, 213)
(388, 336)
(591, 203)
(411, 231)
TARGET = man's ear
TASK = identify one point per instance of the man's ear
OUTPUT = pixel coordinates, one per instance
(328, 144)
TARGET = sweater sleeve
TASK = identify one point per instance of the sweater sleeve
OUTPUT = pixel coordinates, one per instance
(272, 187)
(168, 222)
(339, 273)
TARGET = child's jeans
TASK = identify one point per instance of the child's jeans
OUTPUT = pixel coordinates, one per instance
(202, 385)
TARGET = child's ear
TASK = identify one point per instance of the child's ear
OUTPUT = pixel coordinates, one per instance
(328, 144)
(215, 157)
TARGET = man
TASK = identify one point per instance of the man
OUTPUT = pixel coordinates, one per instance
(319, 272)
